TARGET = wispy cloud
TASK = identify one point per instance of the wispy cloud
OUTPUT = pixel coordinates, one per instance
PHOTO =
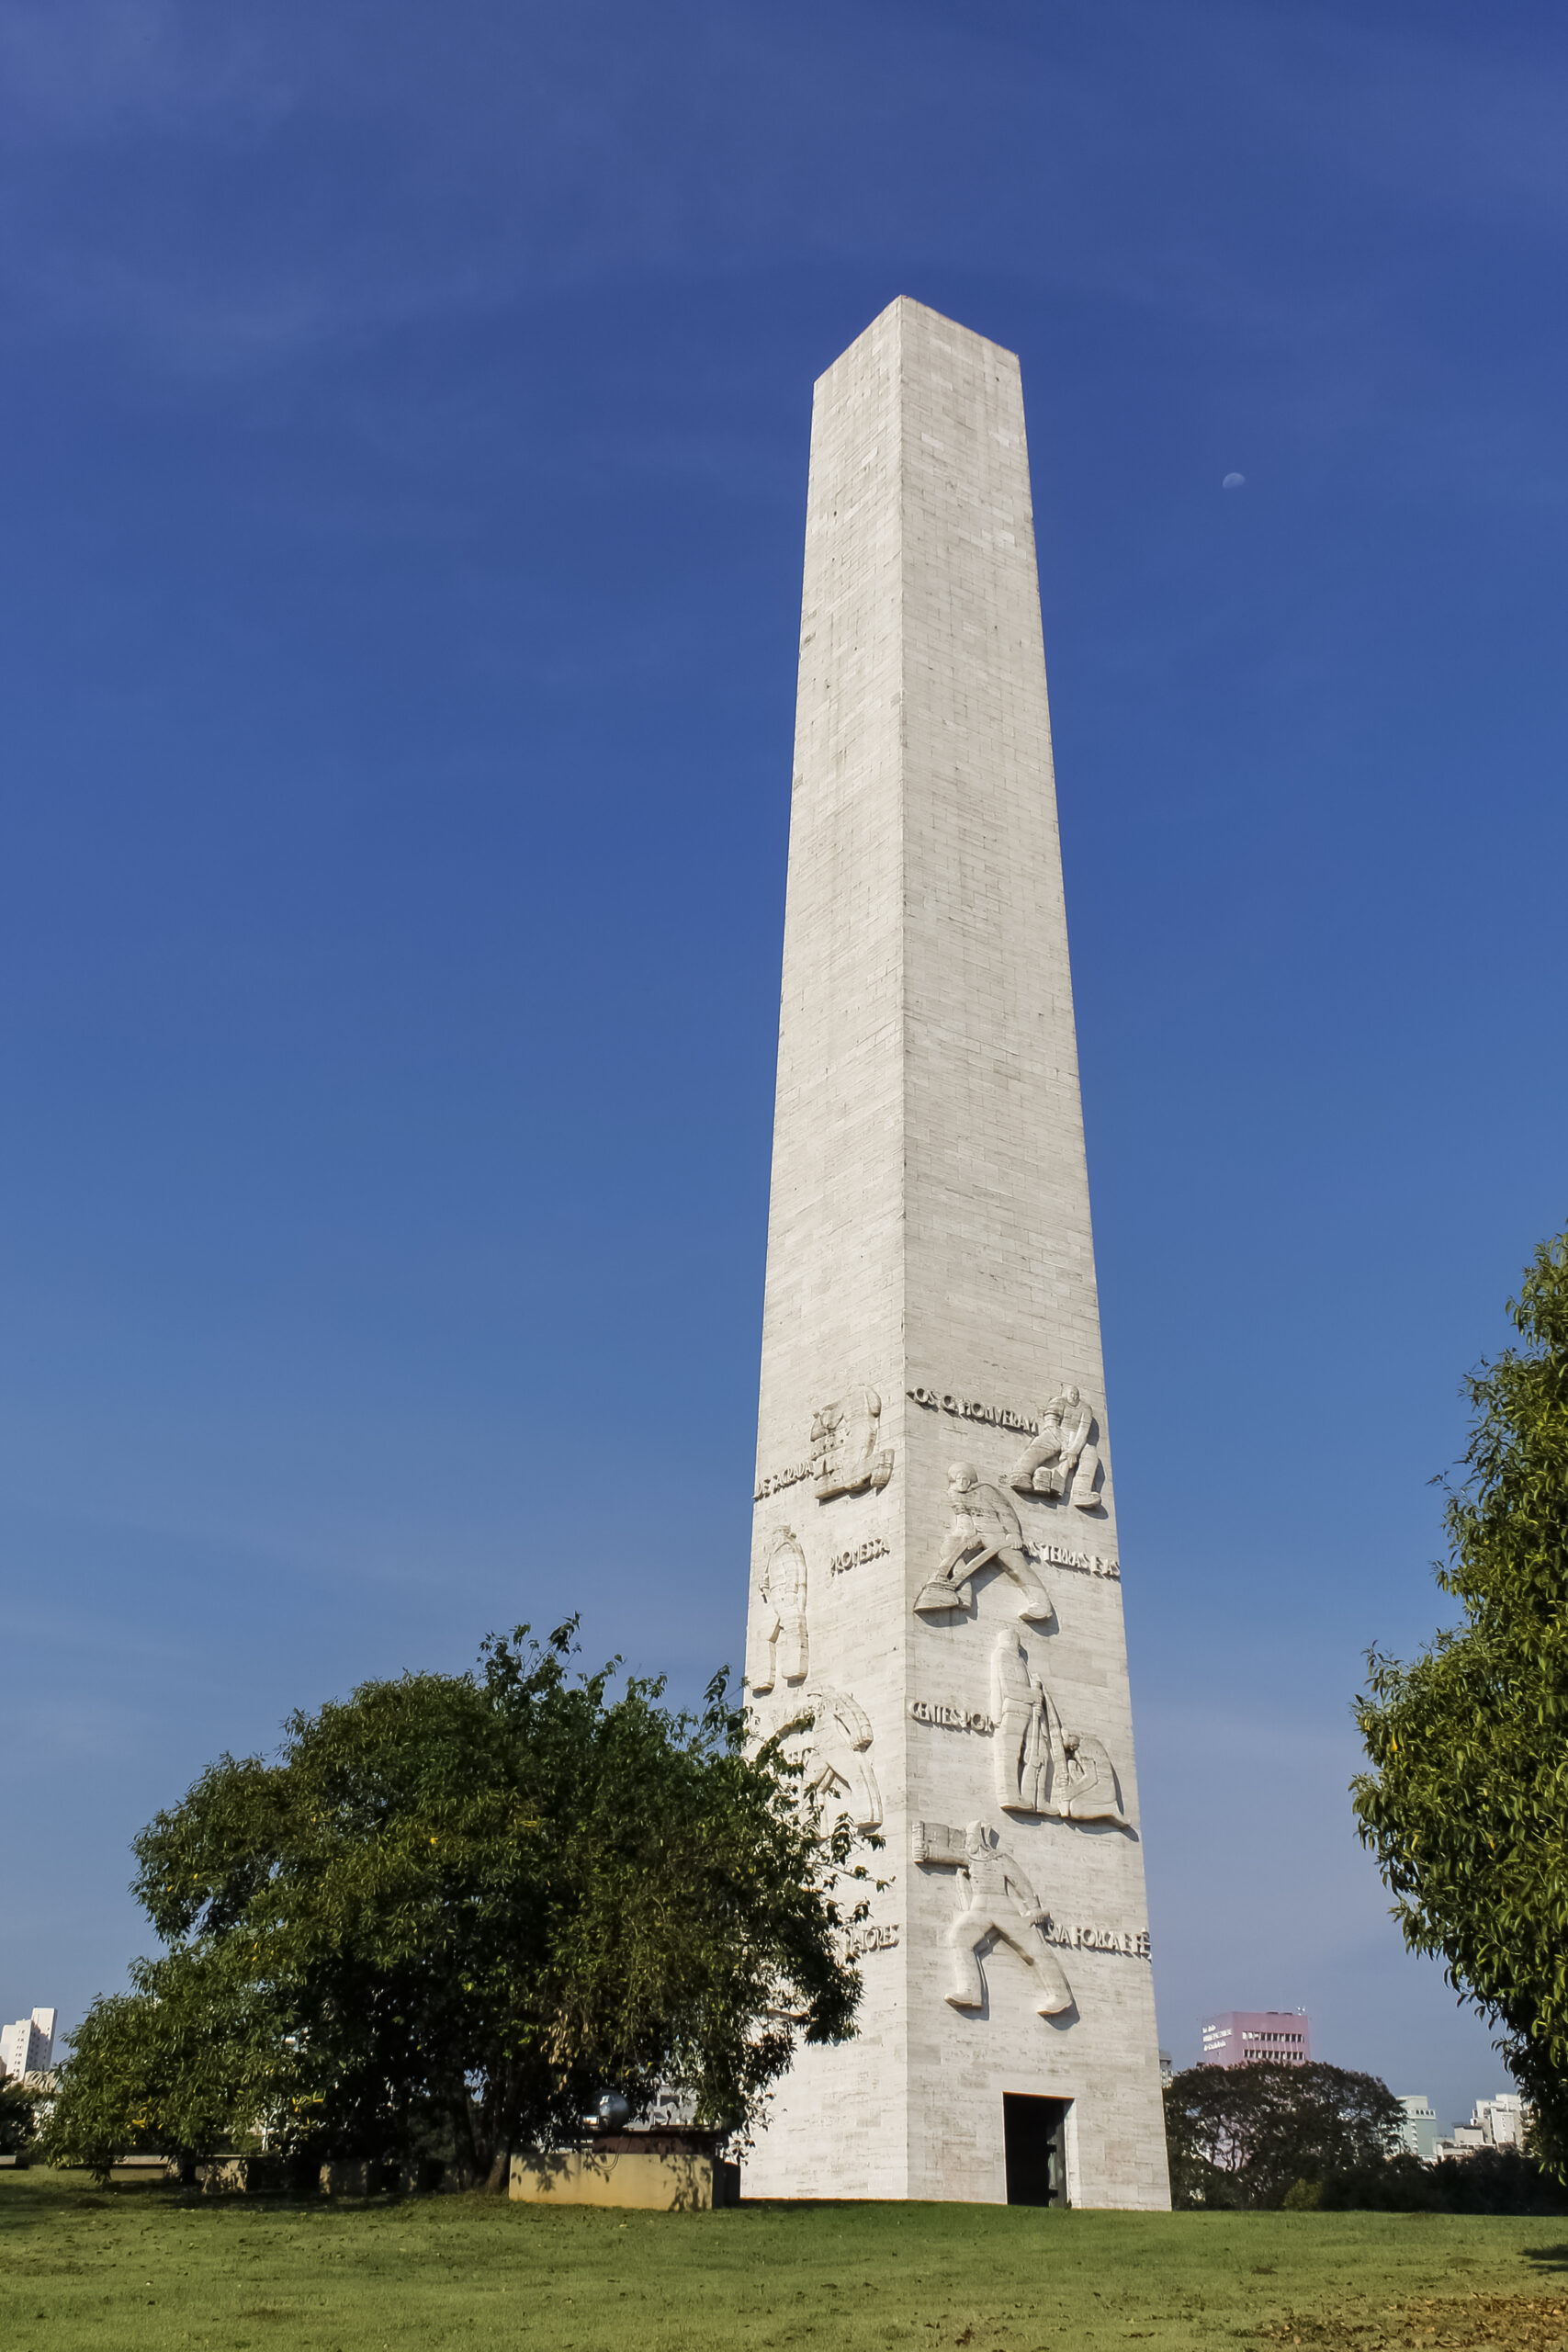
(97, 69)
(258, 185)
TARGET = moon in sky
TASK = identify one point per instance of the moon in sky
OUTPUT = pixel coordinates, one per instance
(1233, 482)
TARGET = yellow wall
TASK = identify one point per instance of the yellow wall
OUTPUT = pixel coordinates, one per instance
(666, 2184)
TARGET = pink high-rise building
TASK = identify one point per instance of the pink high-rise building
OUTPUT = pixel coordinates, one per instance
(1242, 2037)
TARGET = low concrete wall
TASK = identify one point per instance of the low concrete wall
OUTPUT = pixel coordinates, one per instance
(276, 2176)
(351, 2176)
(241, 2176)
(661, 2180)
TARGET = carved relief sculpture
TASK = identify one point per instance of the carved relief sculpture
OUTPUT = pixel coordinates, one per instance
(998, 1901)
(1021, 1755)
(1085, 1787)
(1039, 1767)
(778, 1624)
(845, 1457)
(984, 1532)
(1061, 1453)
(837, 1762)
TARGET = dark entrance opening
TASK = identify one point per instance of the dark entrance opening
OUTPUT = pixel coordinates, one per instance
(1034, 2134)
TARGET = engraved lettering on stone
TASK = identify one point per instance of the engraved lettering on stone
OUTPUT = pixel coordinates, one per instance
(1086, 1563)
(984, 1534)
(872, 1938)
(1060, 1459)
(999, 1904)
(778, 1623)
(776, 1480)
(928, 1711)
(835, 1765)
(873, 1548)
(1133, 1945)
(845, 1457)
(965, 1409)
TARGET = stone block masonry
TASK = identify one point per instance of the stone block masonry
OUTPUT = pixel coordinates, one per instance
(935, 1571)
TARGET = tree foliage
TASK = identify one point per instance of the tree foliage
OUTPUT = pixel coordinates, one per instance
(1466, 1806)
(1487, 2180)
(453, 1910)
(18, 2115)
(1240, 2138)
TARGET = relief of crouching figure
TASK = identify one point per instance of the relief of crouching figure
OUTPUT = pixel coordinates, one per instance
(986, 1532)
(1061, 1453)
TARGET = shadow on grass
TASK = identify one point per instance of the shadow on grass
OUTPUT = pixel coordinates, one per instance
(42, 2195)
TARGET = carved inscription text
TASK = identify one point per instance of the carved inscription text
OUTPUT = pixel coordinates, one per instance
(873, 1548)
(1087, 1564)
(1001, 1416)
(1120, 1939)
(776, 1480)
(928, 1710)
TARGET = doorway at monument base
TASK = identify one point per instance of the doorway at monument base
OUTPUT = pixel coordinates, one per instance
(916, 2105)
(856, 2133)
(1007, 1954)
(1034, 2134)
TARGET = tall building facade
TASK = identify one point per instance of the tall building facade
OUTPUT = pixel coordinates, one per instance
(1500, 2123)
(1420, 2132)
(28, 2046)
(936, 1586)
(1241, 2037)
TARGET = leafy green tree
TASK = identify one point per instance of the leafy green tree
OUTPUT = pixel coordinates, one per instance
(1243, 2137)
(19, 2104)
(454, 1910)
(196, 2058)
(1466, 1806)
(1488, 2180)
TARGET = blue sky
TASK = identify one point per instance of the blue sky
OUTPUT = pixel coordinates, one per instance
(404, 435)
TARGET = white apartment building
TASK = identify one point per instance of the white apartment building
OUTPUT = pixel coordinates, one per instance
(1504, 2120)
(1500, 2123)
(28, 2046)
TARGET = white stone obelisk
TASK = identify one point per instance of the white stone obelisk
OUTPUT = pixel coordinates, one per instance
(935, 1579)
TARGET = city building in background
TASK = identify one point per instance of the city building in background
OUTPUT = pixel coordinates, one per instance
(1166, 2071)
(27, 2047)
(1244, 2037)
(1500, 2123)
(1420, 2132)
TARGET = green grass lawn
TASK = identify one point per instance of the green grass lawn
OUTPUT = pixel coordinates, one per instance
(137, 2267)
